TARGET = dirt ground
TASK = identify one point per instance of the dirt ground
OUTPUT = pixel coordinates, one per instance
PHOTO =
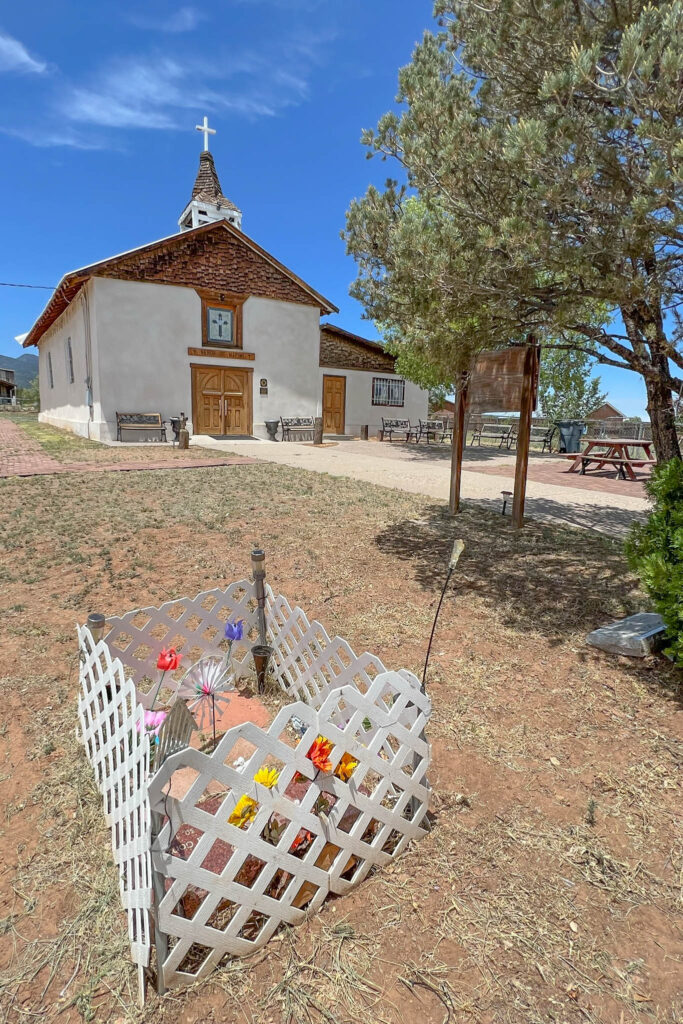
(548, 889)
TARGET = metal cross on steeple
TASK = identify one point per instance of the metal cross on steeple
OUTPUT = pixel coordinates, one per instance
(207, 131)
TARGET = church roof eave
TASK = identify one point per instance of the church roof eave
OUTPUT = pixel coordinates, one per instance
(72, 282)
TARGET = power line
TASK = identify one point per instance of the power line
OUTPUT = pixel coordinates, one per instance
(46, 287)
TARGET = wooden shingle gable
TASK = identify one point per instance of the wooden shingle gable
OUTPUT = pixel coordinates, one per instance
(213, 258)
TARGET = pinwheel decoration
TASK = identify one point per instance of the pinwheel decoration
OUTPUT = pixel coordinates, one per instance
(205, 685)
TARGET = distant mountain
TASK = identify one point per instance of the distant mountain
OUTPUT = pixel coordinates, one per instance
(25, 368)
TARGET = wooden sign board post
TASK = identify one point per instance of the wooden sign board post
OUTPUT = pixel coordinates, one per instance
(459, 422)
(505, 380)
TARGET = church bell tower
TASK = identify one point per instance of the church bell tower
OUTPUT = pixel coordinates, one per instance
(208, 204)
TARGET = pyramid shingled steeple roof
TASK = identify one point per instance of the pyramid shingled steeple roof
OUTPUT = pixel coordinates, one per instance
(207, 187)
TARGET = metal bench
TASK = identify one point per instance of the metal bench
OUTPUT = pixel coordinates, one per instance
(402, 427)
(148, 421)
(543, 436)
(504, 435)
(294, 426)
(431, 428)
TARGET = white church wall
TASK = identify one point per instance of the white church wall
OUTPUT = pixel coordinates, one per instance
(63, 402)
(143, 334)
(359, 408)
(285, 339)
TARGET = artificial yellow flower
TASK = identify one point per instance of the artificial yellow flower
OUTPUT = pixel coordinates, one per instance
(345, 768)
(245, 811)
(267, 777)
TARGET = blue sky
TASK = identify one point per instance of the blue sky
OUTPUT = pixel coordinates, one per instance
(98, 153)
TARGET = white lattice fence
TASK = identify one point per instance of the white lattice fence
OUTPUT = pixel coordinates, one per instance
(222, 889)
(112, 732)
(194, 626)
(232, 887)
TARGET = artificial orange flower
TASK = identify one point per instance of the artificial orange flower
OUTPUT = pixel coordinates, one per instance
(346, 767)
(244, 812)
(319, 754)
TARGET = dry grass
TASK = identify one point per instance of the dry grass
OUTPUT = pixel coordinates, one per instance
(67, 447)
(548, 889)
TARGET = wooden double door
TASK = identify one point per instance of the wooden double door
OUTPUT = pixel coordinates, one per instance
(334, 404)
(221, 400)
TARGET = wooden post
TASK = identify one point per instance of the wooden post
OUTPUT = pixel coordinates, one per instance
(183, 433)
(318, 430)
(364, 433)
(524, 435)
(458, 445)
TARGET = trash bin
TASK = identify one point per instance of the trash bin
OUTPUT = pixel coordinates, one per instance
(570, 434)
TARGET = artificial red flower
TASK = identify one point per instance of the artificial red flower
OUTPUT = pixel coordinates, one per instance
(319, 754)
(169, 660)
(304, 836)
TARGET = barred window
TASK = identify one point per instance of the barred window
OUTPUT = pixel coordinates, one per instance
(386, 391)
(50, 375)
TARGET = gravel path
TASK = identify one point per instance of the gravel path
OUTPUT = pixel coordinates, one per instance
(426, 470)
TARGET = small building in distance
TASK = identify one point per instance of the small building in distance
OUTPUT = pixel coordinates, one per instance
(606, 411)
(8, 389)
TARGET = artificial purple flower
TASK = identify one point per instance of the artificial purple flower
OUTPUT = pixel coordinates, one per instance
(234, 630)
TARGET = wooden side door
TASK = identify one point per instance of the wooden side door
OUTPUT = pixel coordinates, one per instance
(207, 399)
(334, 404)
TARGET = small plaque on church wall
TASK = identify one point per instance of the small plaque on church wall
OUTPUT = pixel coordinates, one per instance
(263, 386)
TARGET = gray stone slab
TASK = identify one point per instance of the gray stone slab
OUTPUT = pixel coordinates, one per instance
(637, 635)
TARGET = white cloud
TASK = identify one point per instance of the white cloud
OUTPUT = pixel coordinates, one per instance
(15, 57)
(48, 138)
(185, 19)
(155, 92)
(172, 91)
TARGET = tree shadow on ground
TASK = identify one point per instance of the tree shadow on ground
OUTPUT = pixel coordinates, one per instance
(543, 578)
(442, 452)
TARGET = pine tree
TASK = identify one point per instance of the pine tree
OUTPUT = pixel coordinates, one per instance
(540, 143)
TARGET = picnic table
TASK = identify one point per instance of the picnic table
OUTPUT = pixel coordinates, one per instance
(616, 452)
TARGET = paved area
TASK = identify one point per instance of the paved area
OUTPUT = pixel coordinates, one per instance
(21, 455)
(558, 496)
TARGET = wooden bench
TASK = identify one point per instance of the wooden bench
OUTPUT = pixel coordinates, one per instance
(391, 427)
(430, 429)
(295, 426)
(543, 436)
(504, 435)
(149, 421)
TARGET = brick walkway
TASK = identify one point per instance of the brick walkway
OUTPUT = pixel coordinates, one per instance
(547, 470)
(20, 455)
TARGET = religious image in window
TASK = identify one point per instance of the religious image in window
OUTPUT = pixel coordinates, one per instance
(220, 326)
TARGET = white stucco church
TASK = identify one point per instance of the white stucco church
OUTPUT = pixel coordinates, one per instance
(207, 323)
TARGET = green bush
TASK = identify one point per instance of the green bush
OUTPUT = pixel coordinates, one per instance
(655, 551)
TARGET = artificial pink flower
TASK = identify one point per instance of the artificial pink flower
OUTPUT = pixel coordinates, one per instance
(153, 721)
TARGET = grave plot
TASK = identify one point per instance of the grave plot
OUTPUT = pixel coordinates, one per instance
(217, 847)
